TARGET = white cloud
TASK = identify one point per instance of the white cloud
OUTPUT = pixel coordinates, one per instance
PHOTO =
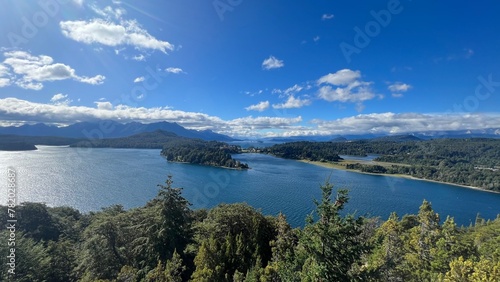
(272, 63)
(260, 107)
(316, 38)
(399, 87)
(292, 102)
(29, 71)
(108, 12)
(294, 89)
(327, 17)
(104, 105)
(174, 70)
(139, 79)
(347, 87)
(96, 80)
(139, 58)
(13, 110)
(407, 122)
(60, 99)
(99, 31)
(16, 111)
(340, 78)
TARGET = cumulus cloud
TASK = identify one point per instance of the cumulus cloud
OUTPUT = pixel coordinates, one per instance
(258, 107)
(174, 70)
(393, 123)
(13, 110)
(99, 31)
(341, 77)
(398, 88)
(272, 63)
(104, 105)
(17, 111)
(345, 86)
(29, 71)
(292, 102)
(60, 99)
(139, 79)
(294, 89)
(327, 17)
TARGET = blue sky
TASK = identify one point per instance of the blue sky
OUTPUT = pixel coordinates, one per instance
(253, 68)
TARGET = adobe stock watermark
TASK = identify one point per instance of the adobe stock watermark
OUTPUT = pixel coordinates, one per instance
(38, 20)
(363, 37)
(11, 220)
(483, 91)
(223, 6)
(211, 190)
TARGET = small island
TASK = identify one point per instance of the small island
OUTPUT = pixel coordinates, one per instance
(195, 151)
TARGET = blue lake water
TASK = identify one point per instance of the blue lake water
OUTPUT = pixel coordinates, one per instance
(89, 179)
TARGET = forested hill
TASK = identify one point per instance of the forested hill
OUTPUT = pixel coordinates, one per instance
(26, 143)
(146, 140)
(175, 148)
(474, 161)
(168, 241)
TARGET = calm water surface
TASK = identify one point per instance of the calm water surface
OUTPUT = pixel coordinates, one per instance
(91, 179)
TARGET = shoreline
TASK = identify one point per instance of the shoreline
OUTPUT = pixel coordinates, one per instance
(224, 167)
(339, 167)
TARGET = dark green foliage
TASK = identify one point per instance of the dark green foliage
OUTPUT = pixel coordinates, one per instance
(201, 152)
(167, 241)
(231, 238)
(332, 242)
(312, 151)
(472, 161)
(36, 222)
(146, 140)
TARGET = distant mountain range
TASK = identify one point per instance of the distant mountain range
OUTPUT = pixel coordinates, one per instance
(110, 129)
(414, 136)
(113, 129)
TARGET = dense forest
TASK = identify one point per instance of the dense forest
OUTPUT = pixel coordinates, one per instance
(196, 151)
(166, 240)
(304, 150)
(473, 161)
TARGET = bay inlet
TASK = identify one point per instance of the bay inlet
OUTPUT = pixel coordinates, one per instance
(91, 179)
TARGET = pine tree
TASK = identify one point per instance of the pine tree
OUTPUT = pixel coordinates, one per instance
(332, 241)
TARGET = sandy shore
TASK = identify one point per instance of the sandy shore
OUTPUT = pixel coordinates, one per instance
(341, 167)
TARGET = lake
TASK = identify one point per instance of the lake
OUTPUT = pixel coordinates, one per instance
(89, 179)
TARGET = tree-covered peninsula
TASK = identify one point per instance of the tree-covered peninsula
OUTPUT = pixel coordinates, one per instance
(471, 161)
(196, 151)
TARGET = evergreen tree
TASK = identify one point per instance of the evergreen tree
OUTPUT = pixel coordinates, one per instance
(332, 241)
